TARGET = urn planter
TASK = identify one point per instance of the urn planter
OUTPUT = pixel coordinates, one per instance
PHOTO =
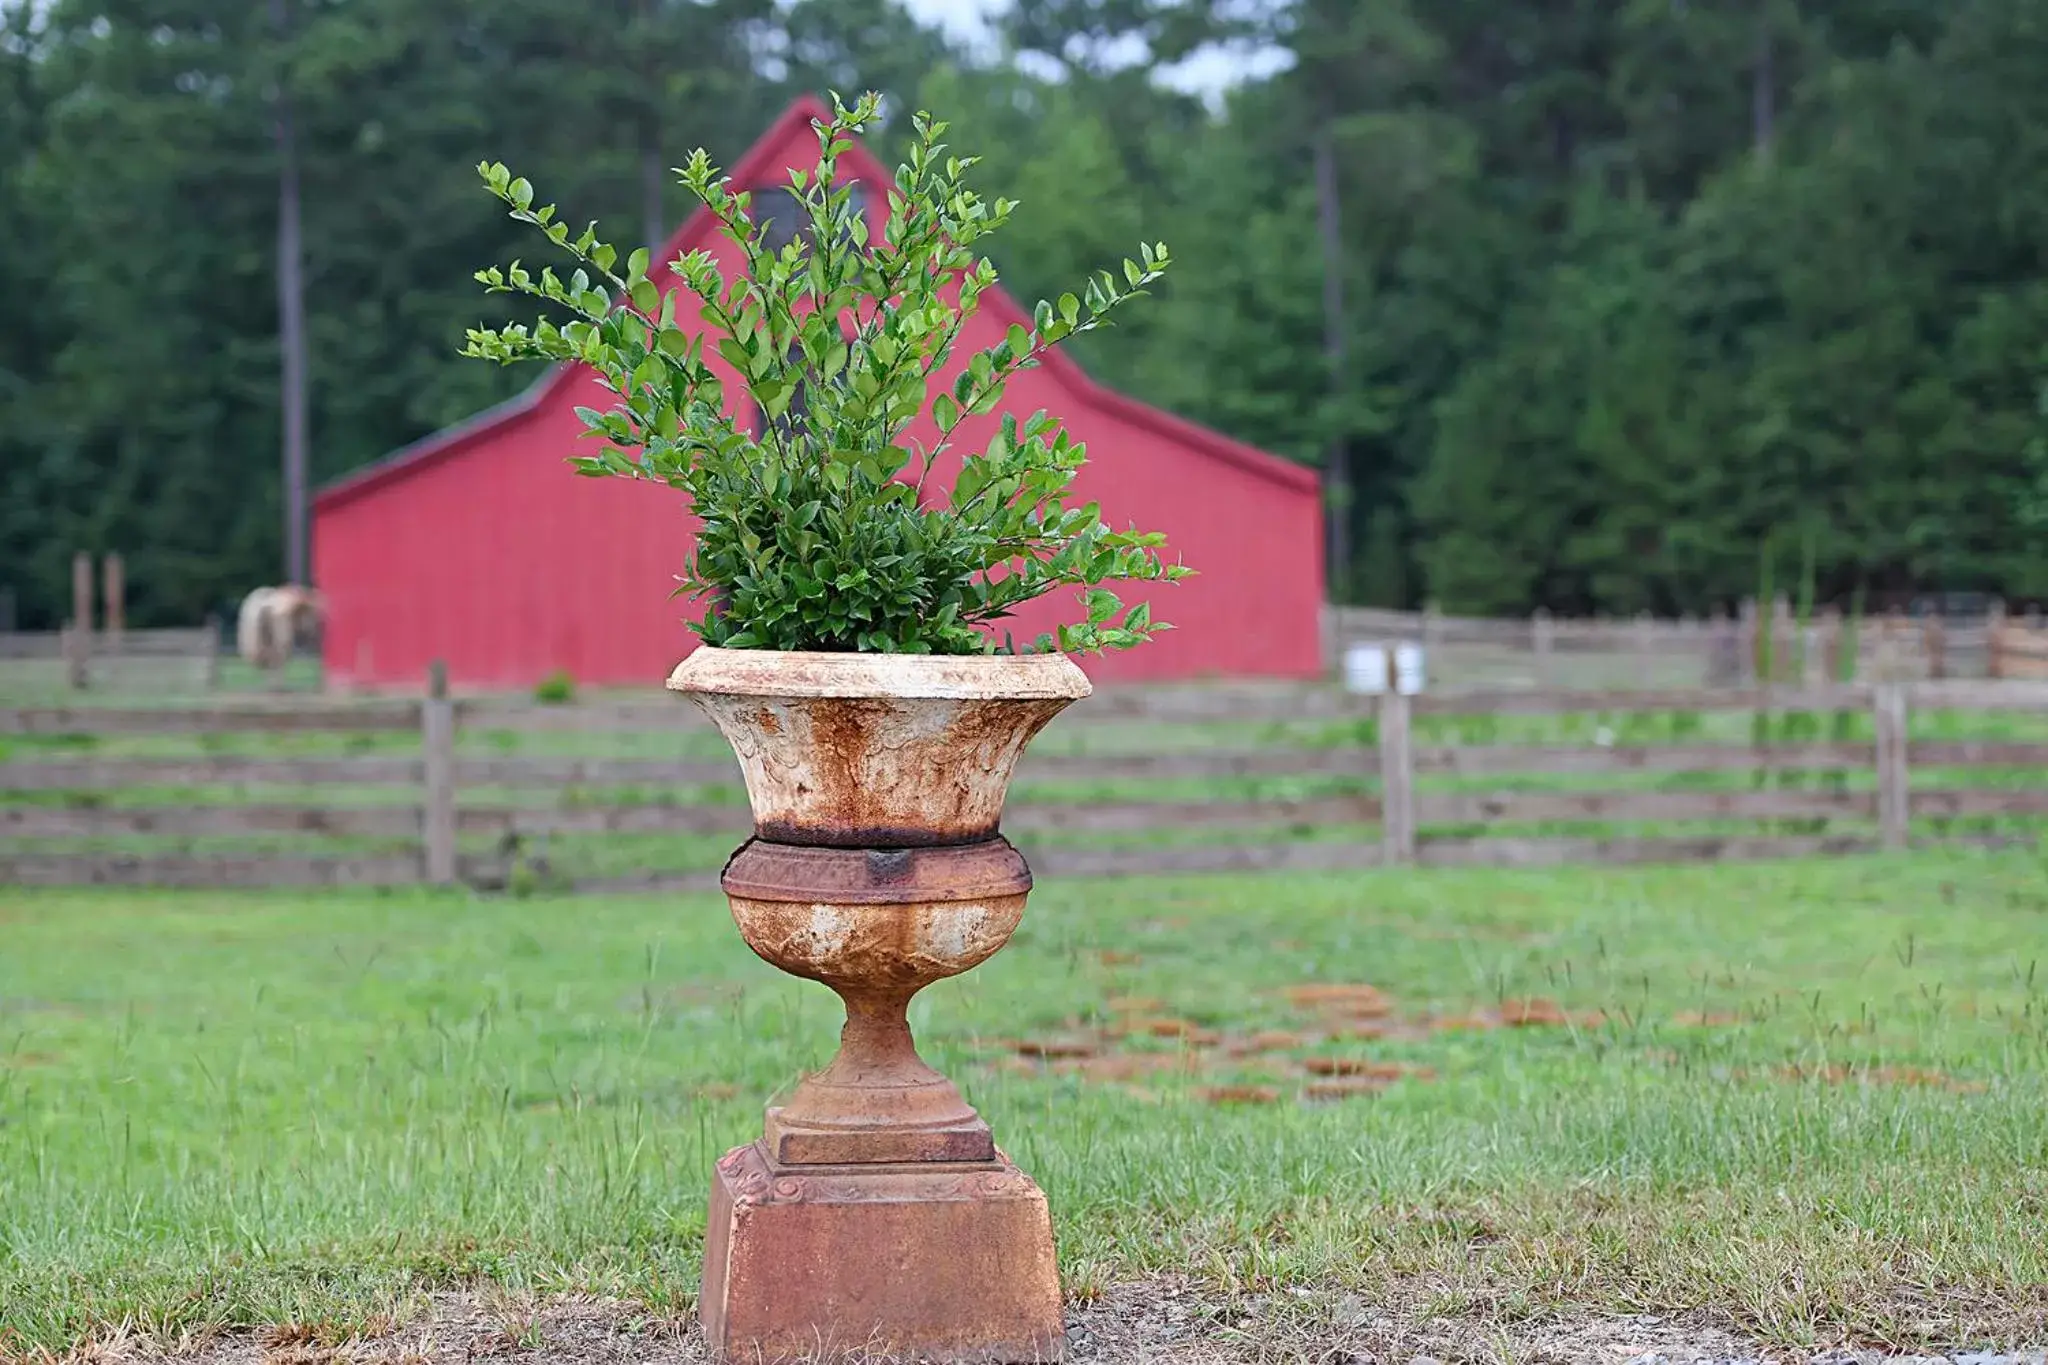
(876, 1212)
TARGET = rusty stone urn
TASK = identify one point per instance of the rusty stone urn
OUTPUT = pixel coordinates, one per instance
(875, 1212)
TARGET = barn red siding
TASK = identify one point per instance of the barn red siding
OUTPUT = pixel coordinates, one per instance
(482, 549)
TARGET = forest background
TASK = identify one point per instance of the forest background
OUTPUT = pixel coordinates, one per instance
(1595, 305)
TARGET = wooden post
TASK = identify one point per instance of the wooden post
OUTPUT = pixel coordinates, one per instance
(1894, 802)
(1784, 630)
(81, 591)
(75, 647)
(78, 645)
(1397, 779)
(1432, 629)
(1890, 665)
(1823, 633)
(115, 585)
(1750, 637)
(209, 658)
(1542, 635)
(1714, 669)
(1934, 636)
(437, 741)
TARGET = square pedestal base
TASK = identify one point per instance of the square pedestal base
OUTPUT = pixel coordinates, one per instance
(939, 1261)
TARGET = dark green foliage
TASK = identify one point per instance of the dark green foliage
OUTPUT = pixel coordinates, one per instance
(810, 539)
(555, 689)
(1628, 285)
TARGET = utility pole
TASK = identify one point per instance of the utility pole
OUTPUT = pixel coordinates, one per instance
(291, 317)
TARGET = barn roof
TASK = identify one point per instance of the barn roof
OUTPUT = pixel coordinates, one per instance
(758, 167)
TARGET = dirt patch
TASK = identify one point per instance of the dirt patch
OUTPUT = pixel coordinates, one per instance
(1118, 1046)
(1364, 1067)
(1271, 1040)
(1186, 1030)
(1049, 1049)
(1155, 1322)
(1910, 1077)
(1124, 1067)
(1346, 1001)
(1238, 1094)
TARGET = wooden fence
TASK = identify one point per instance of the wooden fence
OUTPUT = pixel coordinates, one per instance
(1742, 650)
(1218, 778)
(119, 657)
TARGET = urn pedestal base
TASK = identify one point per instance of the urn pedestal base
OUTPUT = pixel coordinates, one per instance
(942, 1261)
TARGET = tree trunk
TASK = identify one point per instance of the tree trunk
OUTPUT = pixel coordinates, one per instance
(1337, 470)
(653, 221)
(1763, 92)
(291, 323)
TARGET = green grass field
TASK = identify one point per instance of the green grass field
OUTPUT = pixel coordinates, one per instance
(1808, 1101)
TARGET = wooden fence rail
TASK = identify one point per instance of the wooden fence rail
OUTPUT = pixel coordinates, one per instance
(424, 806)
(90, 657)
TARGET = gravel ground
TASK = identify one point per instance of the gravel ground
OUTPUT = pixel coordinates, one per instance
(1162, 1322)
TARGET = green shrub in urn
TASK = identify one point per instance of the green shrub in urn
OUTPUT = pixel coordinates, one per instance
(816, 534)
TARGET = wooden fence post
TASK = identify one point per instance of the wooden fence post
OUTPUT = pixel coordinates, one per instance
(1894, 800)
(1749, 634)
(1934, 636)
(81, 591)
(115, 585)
(1816, 649)
(209, 658)
(437, 742)
(78, 650)
(71, 649)
(1397, 779)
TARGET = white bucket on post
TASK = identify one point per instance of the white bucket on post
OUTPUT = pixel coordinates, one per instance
(1408, 674)
(1365, 669)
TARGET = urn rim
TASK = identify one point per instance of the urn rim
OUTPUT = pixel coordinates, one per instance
(815, 674)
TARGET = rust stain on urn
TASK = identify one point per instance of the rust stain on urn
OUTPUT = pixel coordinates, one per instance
(876, 750)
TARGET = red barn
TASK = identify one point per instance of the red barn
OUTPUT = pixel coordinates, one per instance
(478, 545)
